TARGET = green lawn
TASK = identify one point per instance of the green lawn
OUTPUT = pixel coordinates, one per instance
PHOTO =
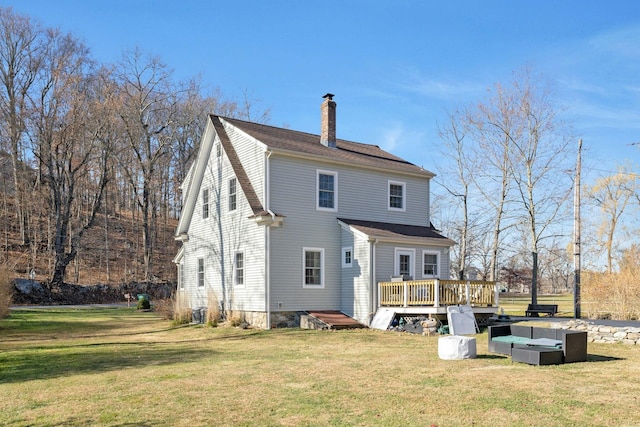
(121, 367)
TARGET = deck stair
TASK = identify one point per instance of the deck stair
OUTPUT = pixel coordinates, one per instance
(328, 319)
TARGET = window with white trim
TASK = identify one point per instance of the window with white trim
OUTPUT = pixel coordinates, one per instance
(327, 185)
(200, 272)
(430, 264)
(313, 267)
(205, 203)
(238, 267)
(233, 194)
(397, 195)
(404, 262)
(218, 150)
(347, 257)
(181, 274)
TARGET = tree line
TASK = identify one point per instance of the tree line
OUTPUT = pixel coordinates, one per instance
(509, 192)
(81, 138)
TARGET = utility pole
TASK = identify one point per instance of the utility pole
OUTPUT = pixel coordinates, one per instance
(576, 236)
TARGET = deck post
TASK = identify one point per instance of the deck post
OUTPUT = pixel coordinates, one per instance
(467, 293)
(436, 293)
(406, 294)
(496, 295)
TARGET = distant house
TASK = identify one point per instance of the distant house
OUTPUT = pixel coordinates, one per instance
(277, 221)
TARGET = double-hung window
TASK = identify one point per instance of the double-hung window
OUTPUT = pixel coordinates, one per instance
(429, 264)
(239, 268)
(205, 203)
(327, 184)
(233, 194)
(201, 272)
(313, 267)
(397, 195)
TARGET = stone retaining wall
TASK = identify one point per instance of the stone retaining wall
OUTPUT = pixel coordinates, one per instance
(603, 334)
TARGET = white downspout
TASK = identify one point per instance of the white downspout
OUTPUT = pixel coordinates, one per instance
(267, 235)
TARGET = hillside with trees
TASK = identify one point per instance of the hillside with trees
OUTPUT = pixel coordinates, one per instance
(92, 157)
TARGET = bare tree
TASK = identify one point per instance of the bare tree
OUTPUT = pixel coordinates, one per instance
(68, 146)
(21, 56)
(148, 106)
(539, 166)
(612, 194)
(495, 124)
(457, 182)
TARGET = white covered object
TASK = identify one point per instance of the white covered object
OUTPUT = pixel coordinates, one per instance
(455, 347)
(461, 319)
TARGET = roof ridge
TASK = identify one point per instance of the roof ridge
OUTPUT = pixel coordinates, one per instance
(296, 131)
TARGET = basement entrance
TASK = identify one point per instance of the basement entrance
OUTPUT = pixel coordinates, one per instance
(328, 319)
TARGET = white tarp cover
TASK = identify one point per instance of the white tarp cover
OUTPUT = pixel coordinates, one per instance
(461, 319)
(455, 347)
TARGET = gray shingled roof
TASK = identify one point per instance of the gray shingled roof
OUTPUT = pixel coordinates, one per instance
(392, 231)
(354, 153)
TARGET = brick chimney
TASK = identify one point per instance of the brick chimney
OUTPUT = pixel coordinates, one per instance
(328, 121)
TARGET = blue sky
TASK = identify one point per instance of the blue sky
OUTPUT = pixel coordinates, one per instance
(395, 67)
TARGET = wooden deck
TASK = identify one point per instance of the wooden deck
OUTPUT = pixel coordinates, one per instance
(434, 295)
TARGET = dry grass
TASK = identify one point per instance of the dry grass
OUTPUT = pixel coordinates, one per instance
(611, 296)
(131, 368)
(213, 309)
(181, 309)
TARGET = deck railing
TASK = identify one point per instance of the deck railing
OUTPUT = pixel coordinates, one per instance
(436, 293)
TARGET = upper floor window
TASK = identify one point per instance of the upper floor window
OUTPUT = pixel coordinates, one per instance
(429, 264)
(205, 203)
(238, 266)
(397, 195)
(313, 267)
(218, 150)
(327, 183)
(233, 194)
(200, 272)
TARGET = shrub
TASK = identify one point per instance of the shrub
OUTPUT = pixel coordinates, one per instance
(144, 304)
(6, 291)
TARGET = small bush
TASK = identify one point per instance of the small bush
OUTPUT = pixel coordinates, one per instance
(6, 292)
(144, 304)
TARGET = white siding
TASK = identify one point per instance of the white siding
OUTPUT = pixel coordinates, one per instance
(219, 237)
(356, 280)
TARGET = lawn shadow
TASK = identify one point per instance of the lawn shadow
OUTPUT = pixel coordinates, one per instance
(19, 366)
(490, 356)
(600, 358)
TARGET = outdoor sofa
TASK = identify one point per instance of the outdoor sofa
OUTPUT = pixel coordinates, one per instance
(538, 346)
